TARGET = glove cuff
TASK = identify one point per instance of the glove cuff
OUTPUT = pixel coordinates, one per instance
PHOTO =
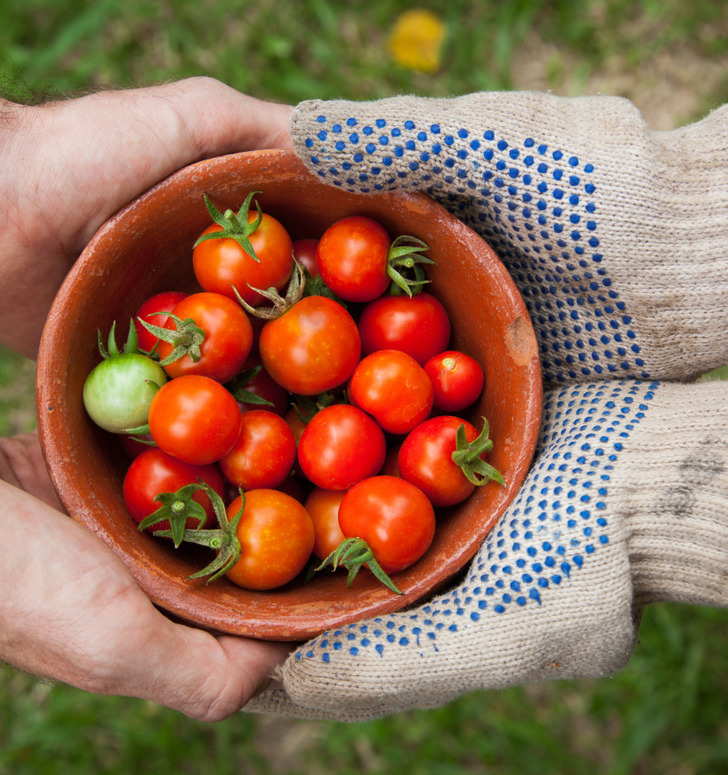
(675, 499)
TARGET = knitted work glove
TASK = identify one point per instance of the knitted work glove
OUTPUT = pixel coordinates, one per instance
(625, 505)
(614, 234)
(616, 238)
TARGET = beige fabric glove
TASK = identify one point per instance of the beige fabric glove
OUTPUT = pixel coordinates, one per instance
(617, 238)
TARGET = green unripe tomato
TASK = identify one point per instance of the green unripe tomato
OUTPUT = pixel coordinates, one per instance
(118, 391)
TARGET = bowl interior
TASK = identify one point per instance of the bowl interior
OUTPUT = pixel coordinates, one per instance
(146, 248)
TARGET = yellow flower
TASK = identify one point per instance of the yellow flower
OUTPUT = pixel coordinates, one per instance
(416, 40)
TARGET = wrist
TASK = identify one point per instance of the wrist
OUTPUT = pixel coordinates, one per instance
(14, 126)
(674, 497)
(19, 329)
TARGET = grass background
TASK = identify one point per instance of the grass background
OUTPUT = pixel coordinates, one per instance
(666, 712)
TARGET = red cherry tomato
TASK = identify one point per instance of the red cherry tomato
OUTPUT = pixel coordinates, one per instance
(221, 264)
(264, 453)
(323, 506)
(304, 251)
(340, 446)
(425, 459)
(194, 419)
(160, 302)
(153, 472)
(228, 337)
(457, 379)
(419, 326)
(393, 516)
(392, 387)
(276, 538)
(311, 348)
(352, 258)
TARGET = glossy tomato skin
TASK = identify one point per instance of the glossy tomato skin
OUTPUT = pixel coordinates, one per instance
(352, 258)
(228, 337)
(392, 387)
(457, 380)
(311, 348)
(276, 537)
(393, 516)
(162, 302)
(264, 453)
(153, 472)
(425, 460)
(323, 506)
(419, 326)
(341, 445)
(220, 264)
(195, 419)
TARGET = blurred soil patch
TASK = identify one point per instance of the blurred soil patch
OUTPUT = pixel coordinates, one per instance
(672, 87)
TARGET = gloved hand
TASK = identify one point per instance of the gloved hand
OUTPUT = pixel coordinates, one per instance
(616, 237)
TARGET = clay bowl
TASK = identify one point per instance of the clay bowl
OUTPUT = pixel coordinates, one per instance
(146, 248)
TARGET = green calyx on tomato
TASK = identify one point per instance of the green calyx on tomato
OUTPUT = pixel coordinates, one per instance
(185, 339)
(351, 554)
(177, 507)
(223, 539)
(111, 350)
(405, 259)
(237, 386)
(233, 225)
(315, 286)
(280, 304)
(306, 407)
(467, 456)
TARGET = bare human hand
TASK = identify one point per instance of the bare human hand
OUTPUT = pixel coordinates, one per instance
(70, 610)
(65, 167)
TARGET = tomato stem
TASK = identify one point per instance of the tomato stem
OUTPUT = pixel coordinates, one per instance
(351, 554)
(186, 338)
(138, 436)
(238, 387)
(234, 226)
(281, 304)
(111, 350)
(140, 430)
(405, 253)
(467, 456)
(177, 507)
(315, 286)
(224, 539)
(306, 407)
